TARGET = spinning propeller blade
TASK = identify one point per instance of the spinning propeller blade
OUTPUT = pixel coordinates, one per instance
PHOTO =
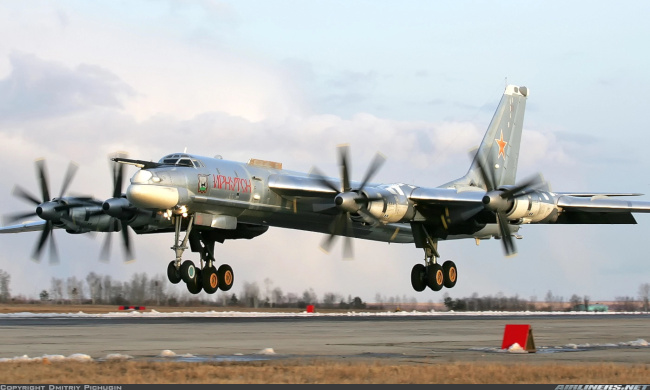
(342, 223)
(491, 202)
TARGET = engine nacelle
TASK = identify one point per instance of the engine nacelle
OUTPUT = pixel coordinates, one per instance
(535, 207)
(119, 208)
(392, 204)
(89, 219)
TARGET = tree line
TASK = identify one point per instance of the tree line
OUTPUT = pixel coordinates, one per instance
(143, 289)
(551, 302)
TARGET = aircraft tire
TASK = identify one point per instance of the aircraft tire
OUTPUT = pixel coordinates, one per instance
(435, 277)
(173, 273)
(419, 277)
(210, 280)
(226, 277)
(195, 285)
(450, 273)
(188, 271)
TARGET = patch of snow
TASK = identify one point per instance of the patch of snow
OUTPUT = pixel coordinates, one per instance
(266, 351)
(117, 356)
(516, 348)
(635, 343)
(80, 357)
(167, 353)
(54, 358)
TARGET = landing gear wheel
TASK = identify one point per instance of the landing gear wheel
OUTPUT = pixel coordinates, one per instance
(210, 280)
(188, 271)
(173, 273)
(419, 277)
(435, 277)
(195, 285)
(226, 277)
(450, 273)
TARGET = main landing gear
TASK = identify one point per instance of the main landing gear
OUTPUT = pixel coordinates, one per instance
(206, 277)
(431, 274)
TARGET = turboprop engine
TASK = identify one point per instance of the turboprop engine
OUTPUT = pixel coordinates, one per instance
(390, 203)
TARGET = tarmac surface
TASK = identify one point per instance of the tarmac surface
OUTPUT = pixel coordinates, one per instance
(426, 338)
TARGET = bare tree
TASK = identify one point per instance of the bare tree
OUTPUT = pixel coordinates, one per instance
(251, 294)
(136, 289)
(644, 294)
(278, 298)
(74, 289)
(94, 282)
(57, 289)
(331, 299)
(309, 297)
(575, 302)
(626, 303)
(5, 295)
(156, 290)
(107, 290)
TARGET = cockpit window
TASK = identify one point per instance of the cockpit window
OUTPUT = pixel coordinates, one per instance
(183, 160)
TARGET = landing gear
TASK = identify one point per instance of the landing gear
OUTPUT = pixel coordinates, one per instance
(210, 280)
(419, 277)
(226, 277)
(206, 277)
(173, 273)
(431, 274)
(188, 271)
(435, 277)
(450, 273)
(194, 285)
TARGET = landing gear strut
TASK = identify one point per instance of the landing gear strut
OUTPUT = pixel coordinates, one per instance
(206, 277)
(431, 274)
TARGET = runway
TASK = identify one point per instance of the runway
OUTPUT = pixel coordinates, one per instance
(399, 338)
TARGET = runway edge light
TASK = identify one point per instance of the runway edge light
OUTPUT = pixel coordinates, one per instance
(520, 334)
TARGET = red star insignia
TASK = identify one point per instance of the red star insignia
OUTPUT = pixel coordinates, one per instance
(502, 146)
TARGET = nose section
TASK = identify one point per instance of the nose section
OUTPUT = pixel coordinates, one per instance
(152, 196)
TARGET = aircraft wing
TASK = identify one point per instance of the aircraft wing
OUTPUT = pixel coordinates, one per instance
(24, 227)
(307, 186)
(595, 194)
(603, 204)
(447, 197)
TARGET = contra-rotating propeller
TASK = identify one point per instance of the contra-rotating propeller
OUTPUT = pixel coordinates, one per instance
(349, 201)
(500, 201)
(51, 210)
(120, 209)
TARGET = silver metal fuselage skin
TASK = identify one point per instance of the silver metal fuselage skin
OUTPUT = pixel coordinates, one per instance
(223, 190)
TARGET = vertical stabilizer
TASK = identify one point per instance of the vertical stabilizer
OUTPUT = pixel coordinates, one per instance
(499, 150)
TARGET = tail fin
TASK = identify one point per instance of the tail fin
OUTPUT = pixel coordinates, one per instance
(499, 150)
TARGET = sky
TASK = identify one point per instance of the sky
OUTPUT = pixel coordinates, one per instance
(288, 81)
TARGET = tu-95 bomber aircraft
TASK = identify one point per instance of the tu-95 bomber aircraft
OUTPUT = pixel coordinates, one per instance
(203, 200)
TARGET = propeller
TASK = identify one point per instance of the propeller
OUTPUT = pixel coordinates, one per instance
(120, 209)
(499, 201)
(349, 201)
(50, 210)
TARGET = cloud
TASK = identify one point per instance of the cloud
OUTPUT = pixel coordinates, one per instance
(38, 89)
